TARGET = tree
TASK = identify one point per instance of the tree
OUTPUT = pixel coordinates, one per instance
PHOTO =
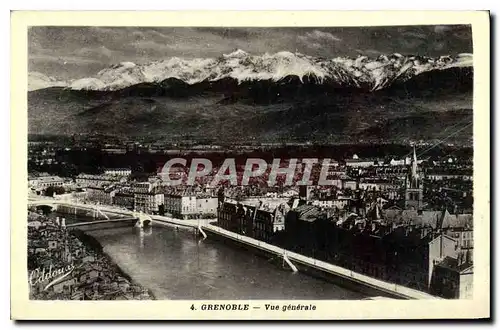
(161, 209)
(57, 190)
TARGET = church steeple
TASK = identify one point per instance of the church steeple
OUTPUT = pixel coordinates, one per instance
(414, 168)
(413, 185)
(414, 177)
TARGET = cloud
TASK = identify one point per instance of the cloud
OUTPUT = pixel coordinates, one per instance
(442, 28)
(157, 34)
(368, 52)
(63, 59)
(316, 36)
(316, 40)
(98, 52)
(414, 34)
(320, 35)
(232, 33)
(150, 45)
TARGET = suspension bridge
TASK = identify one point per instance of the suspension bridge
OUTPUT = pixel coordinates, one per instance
(100, 213)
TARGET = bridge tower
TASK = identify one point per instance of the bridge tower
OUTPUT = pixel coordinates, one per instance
(143, 220)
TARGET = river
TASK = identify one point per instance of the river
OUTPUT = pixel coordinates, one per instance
(176, 264)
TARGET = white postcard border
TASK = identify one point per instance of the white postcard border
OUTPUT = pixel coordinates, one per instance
(23, 309)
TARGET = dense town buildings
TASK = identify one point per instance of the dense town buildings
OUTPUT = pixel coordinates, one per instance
(42, 153)
(118, 171)
(89, 274)
(188, 204)
(101, 194)
(404, 220)
(124, 197)
(388, 231)
(148, 197)
(97, 180)
(258, 220)
(45, 181)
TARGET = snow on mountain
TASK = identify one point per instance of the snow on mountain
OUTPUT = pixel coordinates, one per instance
(372, 73)
(115, 77)
(37, 80)
(88, 83)
(189, 71)
(463, 60)
(236, 53)
(268, 67)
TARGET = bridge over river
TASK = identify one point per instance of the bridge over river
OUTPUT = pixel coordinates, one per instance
(98, 213)
(96, 222)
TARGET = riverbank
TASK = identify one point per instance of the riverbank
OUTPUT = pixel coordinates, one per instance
(316, 268)
(341, 276)
(93, 243)
(175, 264)
(71, 265)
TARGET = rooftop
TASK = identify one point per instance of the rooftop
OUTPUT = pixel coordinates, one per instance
(452, 264)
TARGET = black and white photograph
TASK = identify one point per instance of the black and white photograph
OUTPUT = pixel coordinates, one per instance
(251, 164)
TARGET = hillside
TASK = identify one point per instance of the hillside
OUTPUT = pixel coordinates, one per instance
(291, 109)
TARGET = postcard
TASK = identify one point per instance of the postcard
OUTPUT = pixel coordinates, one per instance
(250, 165)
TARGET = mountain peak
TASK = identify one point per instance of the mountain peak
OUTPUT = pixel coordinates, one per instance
(37, 80)
(362, 71)
(237, 53)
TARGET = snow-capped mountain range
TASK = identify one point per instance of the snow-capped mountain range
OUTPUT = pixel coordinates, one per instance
(364, 72)
(37, 80)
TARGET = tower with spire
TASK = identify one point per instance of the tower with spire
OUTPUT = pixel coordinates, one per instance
(414, 186)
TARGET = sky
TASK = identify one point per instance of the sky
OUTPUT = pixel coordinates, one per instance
(66, 53)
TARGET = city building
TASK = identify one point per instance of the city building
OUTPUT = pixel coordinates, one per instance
(118, 171)
(206, 205)
(101, 194)
(43, 182)
(358, 162)
(300, 229)
(339, 202)
(262, 221)
(379, 184)
(148, 199)
(267, 221)
(452, 278)
(96, 180)
(464, 237)
(399, 162)
(233, 216)
(180, 204)
(349, 183)
(125, 198)
(440, 247)
(403, 162)
(449, 173)
(188, 204)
